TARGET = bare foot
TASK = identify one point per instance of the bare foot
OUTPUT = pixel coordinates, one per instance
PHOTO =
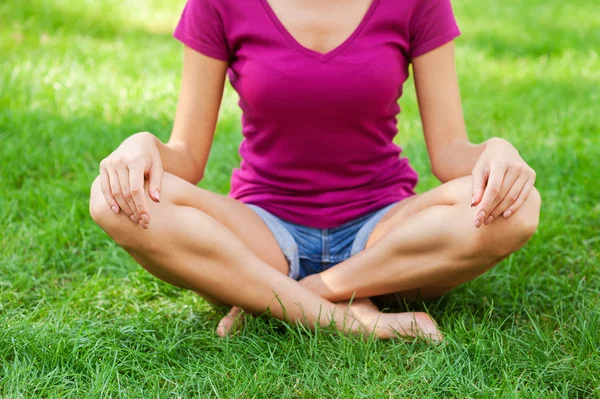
(409, 324)
(370, 320)
(231, 322)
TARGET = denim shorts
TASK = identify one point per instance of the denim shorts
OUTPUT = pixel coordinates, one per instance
(312, 250)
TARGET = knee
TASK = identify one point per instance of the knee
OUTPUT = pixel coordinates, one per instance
(529, 215)
(515, 231)
(524, 223)
(99, 209)
(118, 226)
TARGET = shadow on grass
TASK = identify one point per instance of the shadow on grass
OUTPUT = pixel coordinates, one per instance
(70, 150)
(59, 148)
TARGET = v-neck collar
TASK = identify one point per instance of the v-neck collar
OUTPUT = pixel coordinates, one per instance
(323, 57)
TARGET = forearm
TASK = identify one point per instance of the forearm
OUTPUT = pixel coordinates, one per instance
(457, 159)
(176, 159)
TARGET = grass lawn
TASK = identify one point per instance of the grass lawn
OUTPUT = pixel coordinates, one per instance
(79, 319)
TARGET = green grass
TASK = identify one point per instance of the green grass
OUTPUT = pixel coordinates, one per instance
(79, 319)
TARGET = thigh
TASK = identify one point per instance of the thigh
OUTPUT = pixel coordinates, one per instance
(449, 193)
(495, 242)
(234, 214)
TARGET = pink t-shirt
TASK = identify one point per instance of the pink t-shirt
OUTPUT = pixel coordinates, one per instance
(318, 128)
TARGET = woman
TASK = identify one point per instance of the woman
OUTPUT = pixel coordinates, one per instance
(321, 195)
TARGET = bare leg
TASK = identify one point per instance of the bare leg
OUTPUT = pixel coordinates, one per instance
(427, 245)
(192, 249)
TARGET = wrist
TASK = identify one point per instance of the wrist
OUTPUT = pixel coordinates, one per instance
(145, 136)
(501, 146)
(497, 142)
(494, 141)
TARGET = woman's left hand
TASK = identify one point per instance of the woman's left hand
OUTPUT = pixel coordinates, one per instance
(502, 181)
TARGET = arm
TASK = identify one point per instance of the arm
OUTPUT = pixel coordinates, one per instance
(186, 152)
(501, 179)
(142, 155)
(450, 152)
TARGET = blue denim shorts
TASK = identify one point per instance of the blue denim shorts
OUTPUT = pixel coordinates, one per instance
(312, 250)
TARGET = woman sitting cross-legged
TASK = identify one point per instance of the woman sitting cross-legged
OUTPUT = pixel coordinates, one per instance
(322, 208)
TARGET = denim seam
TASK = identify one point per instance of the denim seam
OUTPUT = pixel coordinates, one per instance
(325, 250)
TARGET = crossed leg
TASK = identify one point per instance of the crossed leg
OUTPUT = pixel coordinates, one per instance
(424, 247)
(219, 248)
(427, 245)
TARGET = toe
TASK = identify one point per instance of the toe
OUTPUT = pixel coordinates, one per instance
(228, 322)
(428, 327)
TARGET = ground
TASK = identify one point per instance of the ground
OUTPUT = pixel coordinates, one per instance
(78, 318)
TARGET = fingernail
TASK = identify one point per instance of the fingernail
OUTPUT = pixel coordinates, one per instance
(145, 218)
(114, 209)
(133, 219)
(472, 200)
(489, 220)
(157, 195)
(507, 213)
(477, 223)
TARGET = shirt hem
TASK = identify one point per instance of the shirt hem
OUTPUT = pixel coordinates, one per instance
(200, 47)
(434, 43)
(295, 218)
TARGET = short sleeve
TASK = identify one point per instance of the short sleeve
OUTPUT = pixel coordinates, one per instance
(431, 26)
(201, 28)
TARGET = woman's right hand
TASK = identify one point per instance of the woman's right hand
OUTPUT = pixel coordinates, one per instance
(122, 176)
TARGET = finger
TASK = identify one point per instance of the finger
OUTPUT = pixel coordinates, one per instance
(105, 187)
(115, 189)
(510, 197)
(136, 187)
(492, 189)
(521, 199)
(478, 179)
(155, 177)
(509, 178)
(123, 173)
